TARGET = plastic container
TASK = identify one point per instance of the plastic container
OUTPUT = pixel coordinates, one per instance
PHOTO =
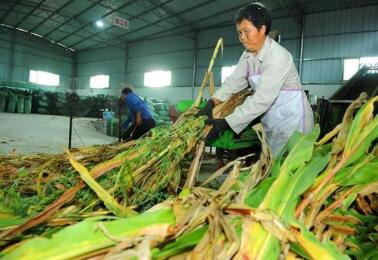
(20, 104)
(115, 127)
(108, 116)
(3, 101)
(12, 101)
(27, 104)
(109, 127)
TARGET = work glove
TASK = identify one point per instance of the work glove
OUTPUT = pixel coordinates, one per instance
(207, 110)
(219, 127)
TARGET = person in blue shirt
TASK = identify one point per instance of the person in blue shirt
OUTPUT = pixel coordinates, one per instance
(140, 119)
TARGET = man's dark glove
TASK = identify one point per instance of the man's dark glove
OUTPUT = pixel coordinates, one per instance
(207, 110)
(219, 127)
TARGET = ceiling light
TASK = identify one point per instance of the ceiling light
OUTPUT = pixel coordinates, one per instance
(99, 23)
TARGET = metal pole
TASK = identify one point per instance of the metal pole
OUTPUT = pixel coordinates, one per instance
(119, 121)
(126, 61)
(120, 103)
(70, 129)
(11, 63)
(194, 62)
(73, 87)
(302, 46)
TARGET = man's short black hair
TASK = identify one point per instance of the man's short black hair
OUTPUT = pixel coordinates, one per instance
(126, 91)
(257, 14)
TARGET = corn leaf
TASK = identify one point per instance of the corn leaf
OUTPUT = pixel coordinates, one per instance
(294, 178)
(316, 250)
(10, 222)
(257, 195)
(110, 203)
(363, 173)
(257, 243)
(85, 237)
(183, 243)
(279, 159)
(363, 132)
(299, 154)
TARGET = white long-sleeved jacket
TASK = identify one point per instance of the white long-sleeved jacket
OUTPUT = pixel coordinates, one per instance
(278, 94)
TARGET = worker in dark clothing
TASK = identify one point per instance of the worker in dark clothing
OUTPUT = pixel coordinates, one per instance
(140, 119)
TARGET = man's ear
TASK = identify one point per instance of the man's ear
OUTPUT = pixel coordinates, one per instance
(263, 29)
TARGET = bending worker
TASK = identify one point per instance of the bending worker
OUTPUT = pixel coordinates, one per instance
(140, 117)
(269, 70)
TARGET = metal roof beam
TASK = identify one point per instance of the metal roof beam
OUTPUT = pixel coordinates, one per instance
(51, 15)
(72, 17)
(103, 16)
(165, 18)
(181, 26)
(9, 11)
(29, 13)
(132, 17)
(200, 20)
(169, 11)
(299, 10)
(41, 8)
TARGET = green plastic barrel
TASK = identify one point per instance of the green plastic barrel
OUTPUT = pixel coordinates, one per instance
(27, 104)
(116, 127)
(12, 101)
(109, 126)
(20, 104)
(3, 101)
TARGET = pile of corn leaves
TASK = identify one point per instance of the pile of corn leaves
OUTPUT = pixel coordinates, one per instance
(315, 200)
(41, 193)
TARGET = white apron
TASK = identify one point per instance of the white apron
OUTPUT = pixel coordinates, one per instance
(286, 115)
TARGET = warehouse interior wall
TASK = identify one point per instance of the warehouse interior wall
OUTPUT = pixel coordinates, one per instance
(174, 53)
(21, 52)
(329, 38)
(102, 61)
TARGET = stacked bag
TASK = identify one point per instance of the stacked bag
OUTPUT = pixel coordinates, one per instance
(15, 101)
(159, 109)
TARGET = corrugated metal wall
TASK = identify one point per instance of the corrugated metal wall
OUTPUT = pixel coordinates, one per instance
(332, 36)
(176, 53)
(102, 61)
(328, 38)
(20, 53)
(171, 53)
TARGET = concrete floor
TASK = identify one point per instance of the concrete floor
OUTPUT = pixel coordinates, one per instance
(32, 133)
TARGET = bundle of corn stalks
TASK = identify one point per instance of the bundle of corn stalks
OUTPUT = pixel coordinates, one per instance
(175, 217)
(118, 180)
(317, 200)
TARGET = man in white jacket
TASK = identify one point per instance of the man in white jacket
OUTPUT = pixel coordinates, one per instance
(269, 70)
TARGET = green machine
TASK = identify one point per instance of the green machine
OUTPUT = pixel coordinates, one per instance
(229, 144)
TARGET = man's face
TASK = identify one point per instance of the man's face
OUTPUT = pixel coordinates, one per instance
(251, 38)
